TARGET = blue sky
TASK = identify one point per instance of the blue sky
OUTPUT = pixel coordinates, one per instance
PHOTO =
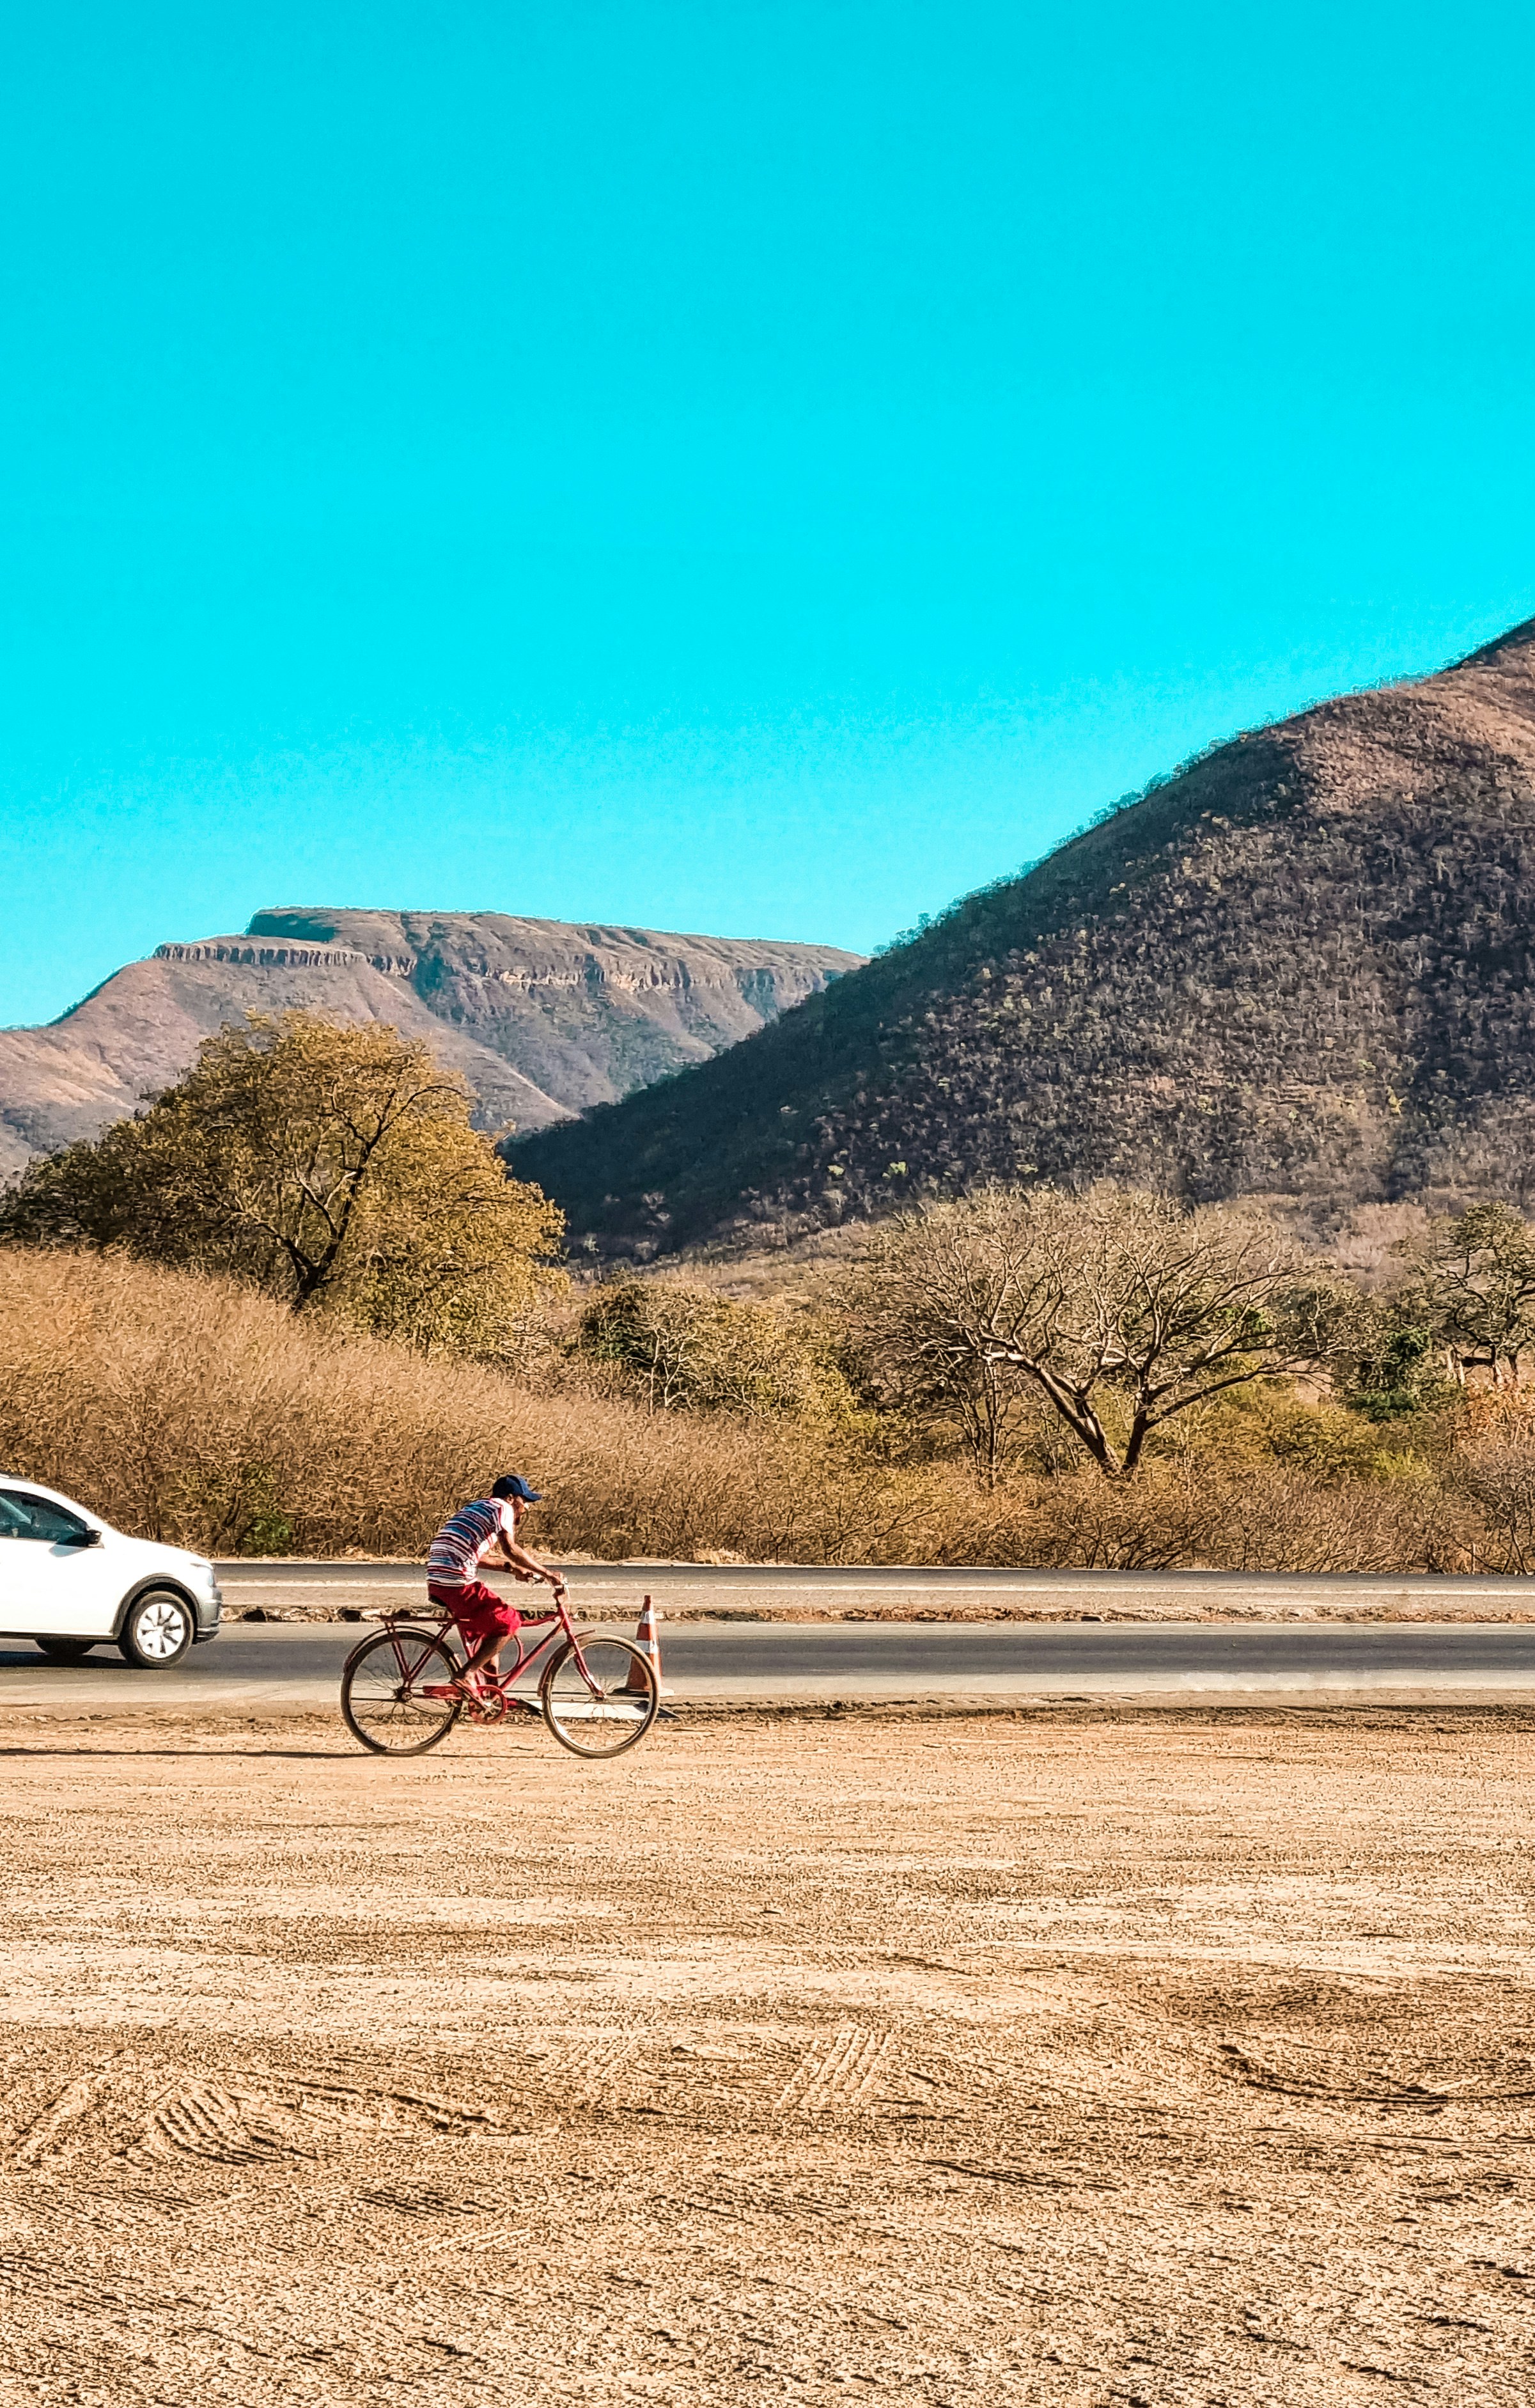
(762, 468)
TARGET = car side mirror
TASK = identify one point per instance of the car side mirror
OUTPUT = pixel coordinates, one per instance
(83, 1538)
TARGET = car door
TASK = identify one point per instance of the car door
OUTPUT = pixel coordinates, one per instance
(49, 1580)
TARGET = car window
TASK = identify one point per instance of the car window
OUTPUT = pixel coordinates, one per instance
(36, 1517)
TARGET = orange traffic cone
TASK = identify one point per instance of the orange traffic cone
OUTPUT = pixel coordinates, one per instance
(649, 1646)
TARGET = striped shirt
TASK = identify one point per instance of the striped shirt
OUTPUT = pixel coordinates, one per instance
(462, 1543)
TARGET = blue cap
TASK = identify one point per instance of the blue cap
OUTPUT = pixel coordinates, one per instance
(515, 1485)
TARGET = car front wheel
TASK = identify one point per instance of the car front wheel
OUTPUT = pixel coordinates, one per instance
(158, 1630)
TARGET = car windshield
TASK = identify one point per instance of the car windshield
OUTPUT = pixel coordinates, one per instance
(34, 1518)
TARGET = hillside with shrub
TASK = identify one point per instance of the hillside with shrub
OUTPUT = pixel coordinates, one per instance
(1298, 969)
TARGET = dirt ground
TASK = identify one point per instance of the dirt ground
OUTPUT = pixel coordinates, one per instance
(1065, 2058)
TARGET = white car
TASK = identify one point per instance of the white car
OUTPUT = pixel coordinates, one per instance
(71, 1581)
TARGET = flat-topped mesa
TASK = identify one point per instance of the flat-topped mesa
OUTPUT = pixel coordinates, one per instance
(540, 1018)
(591, 1010)
(497, 946)
(258, 956)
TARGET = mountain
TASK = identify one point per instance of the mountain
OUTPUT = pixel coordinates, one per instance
(1301, 966)
(542, 1019)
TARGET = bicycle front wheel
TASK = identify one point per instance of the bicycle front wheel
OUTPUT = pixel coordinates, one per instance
(599, 1695)
(386, 1686)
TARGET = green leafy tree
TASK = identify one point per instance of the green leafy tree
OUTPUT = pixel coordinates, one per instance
(1117, 1309)
(1395, 1369)
(336, 1168)
(1474, 1285)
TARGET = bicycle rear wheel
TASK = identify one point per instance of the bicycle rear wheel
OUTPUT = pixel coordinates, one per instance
(383, 1684)
(605, 1713)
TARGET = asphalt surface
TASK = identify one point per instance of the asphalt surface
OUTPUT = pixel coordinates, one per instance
(833, 1588)
(298, 1665)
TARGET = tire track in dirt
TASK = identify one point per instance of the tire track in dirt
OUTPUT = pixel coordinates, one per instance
(592, 2075)
(834, 2078)
(36, 2142)
(1299, 2079)
(402, 2199)
(227, 2128)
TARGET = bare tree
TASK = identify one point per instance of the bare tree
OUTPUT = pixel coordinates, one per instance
(1118, 1309)
(982, 1400)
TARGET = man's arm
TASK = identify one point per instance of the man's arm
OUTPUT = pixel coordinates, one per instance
(527, 1567)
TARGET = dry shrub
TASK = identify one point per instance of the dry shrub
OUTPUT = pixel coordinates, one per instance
(1504, 1416)
(1497, 1477)
(189, 1409)
(1493, 1469)
(1188, 1514)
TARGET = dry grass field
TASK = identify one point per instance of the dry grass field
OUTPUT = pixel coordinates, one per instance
(1078, 2057)
(209, 1417)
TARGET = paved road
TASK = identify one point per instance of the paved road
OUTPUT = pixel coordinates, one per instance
(830, 1590)
(298, 1665)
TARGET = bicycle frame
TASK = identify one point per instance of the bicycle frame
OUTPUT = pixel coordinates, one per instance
(561, 1627)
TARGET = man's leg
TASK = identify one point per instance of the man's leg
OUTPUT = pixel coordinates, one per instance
(484, 1623)
(486, 1653)
(487, 1621)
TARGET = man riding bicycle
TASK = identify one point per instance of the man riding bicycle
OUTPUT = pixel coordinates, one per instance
(464, 1541)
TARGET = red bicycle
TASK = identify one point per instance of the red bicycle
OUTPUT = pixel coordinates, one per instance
(403, 1690)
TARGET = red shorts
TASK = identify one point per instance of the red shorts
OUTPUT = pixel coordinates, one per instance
(477, 1611)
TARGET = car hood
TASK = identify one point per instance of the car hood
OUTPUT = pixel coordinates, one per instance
(149, 1555)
